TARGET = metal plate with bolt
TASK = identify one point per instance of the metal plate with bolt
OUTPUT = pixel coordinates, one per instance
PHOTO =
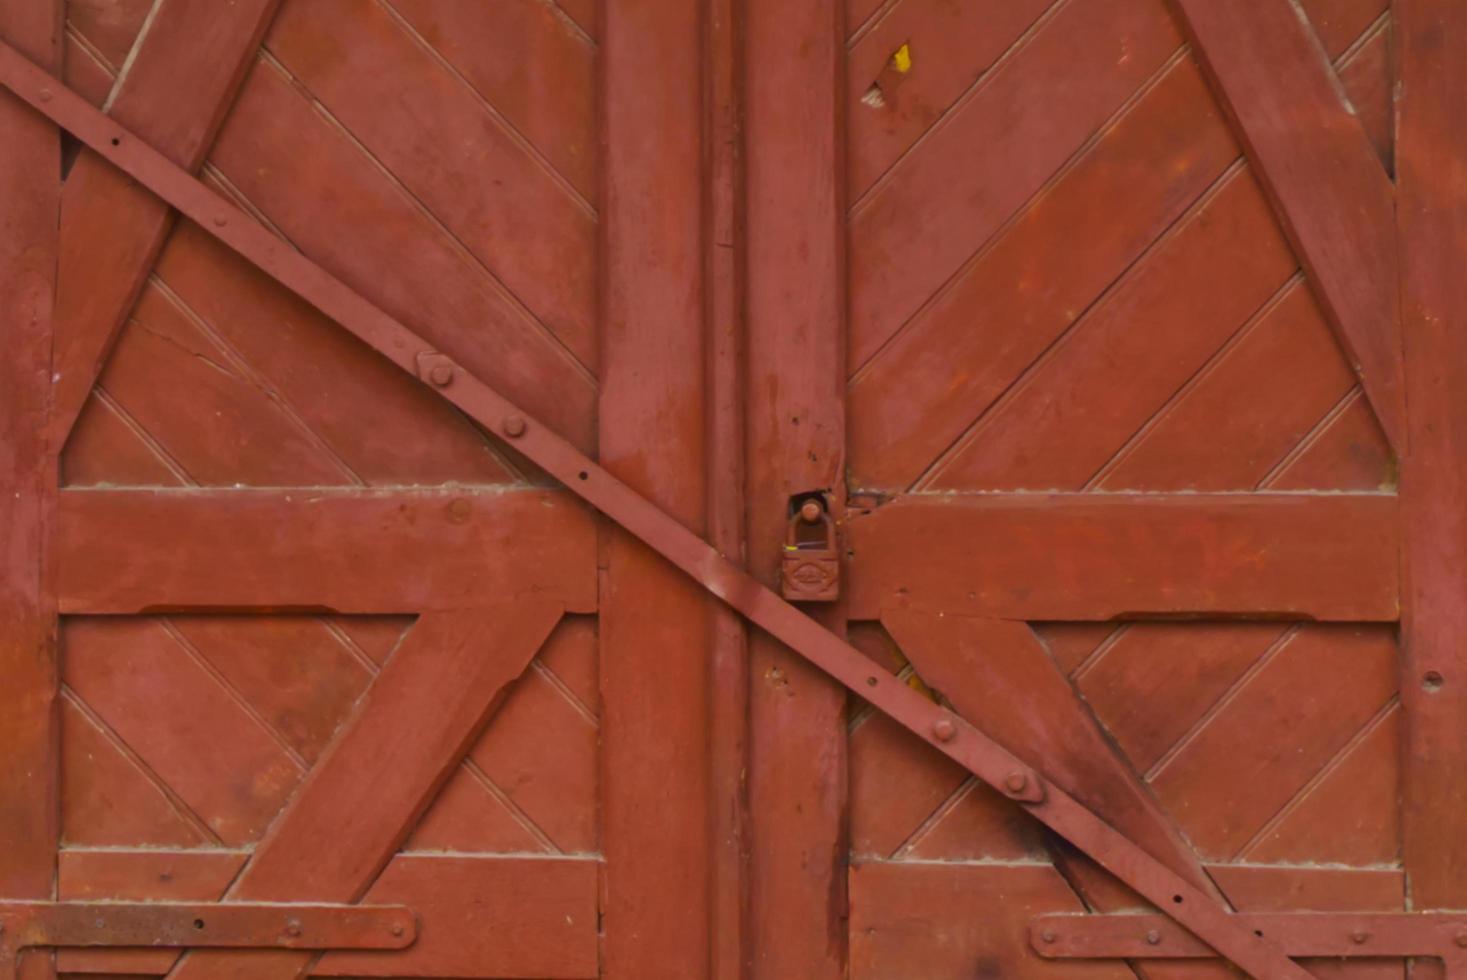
(1324, 935)
(27, 925)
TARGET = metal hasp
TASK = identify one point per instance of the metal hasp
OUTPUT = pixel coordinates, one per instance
(1331, 935)
(26, 925)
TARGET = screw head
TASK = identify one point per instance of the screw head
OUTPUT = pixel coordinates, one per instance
(514, 426)
(441, 375)
(1359, 937)
(944, 730)
(1153, 938)
(811, 512)
(1016, 782)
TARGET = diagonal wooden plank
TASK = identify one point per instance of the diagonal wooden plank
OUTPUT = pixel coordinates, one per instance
(1321, 171)
(996, 674)
(645, 520)
(361, 800)
(112, 229)
(1432, 175)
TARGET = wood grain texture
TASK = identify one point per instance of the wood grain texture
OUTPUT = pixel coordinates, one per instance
(1263, 742)
(922, 391)
(996, 673)
(405, 737)
(795, 441)
(729, 675)
(917, 920)
(1097, 386)
(127, 551)
(653, 426)
(431, 131)
(112, 229)
(1094, 557)
(1317, 162)
(30, 159)
(1432, 213)
(982, 162)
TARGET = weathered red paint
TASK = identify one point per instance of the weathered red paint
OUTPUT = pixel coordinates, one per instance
(891, 254)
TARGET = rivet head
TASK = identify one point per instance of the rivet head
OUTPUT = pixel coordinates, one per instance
(45, 95)
(811, 512)
(293, 928)
(220, 221)
(1359, 938)
(943, 730)
(1153, 938)
(1048, 936)
(441, 375)
(514, 426)
(398, 929)
(1461, 939)
(1016, 782)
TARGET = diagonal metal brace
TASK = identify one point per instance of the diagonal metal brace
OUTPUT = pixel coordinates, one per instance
(947, 732)
(27, 925)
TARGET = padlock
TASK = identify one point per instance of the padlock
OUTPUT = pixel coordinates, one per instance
(811, 570)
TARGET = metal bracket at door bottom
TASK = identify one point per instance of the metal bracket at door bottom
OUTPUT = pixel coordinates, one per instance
(27, 925)
(1332, 935)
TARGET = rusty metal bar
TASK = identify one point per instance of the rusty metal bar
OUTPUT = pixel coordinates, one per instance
(939, 727)
(26, 925)
(1342, 935)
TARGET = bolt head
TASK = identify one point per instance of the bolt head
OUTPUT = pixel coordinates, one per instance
(1016, 782)
(811, 512)
(441, 375)
(1153, 938)
(944, 730)
(514, 426)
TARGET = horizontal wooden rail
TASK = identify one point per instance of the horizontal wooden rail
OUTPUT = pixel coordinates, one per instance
(349, 551)
(1103, 556)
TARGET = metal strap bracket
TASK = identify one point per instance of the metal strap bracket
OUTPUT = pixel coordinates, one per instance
(1332, 935)
(27, 925)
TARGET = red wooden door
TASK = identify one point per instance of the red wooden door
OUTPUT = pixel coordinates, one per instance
(406, 404)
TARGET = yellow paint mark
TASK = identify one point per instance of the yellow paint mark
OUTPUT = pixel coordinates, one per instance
(902, 60)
